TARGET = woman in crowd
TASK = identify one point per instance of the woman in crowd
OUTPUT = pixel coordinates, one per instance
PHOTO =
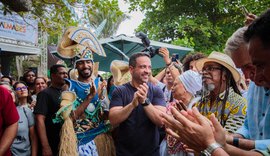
(40, 83)
(220, 92)
(190, 59)
(184, 91)
(25, 143)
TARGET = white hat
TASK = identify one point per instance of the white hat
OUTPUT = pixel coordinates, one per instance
(222, 59)
(192, 81)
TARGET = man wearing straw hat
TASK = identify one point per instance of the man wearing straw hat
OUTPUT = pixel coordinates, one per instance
(220, 92)
(87, 113)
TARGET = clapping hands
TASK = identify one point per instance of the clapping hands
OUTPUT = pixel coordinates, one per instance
(141, 94)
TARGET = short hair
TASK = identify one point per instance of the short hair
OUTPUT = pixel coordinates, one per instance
(260, 28)
(132, 60)
(8, 77)
(191, 57)
(26, 73)
(235, 41)
(54, 68)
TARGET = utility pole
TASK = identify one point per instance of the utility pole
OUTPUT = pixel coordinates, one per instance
(43, 69)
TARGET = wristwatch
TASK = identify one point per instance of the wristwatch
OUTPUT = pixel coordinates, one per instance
(210, 149)
(146, 102)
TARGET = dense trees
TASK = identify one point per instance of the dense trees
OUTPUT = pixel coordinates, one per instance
(202, 24)
(54, 15)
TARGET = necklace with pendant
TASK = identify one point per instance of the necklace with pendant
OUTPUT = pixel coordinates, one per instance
(85, 86)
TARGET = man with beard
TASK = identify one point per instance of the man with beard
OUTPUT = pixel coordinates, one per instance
(136, 107)
(81, 109)
(48, 102)
(220, 93)
(90, 124)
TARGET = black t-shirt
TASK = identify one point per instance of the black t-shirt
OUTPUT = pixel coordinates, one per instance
(137, 135)
(48, 103)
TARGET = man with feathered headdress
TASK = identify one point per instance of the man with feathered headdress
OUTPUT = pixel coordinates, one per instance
(87, 112)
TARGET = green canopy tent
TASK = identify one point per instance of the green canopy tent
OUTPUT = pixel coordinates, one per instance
(122, 47)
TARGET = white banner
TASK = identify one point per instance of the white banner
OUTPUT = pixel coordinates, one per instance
(17, 28)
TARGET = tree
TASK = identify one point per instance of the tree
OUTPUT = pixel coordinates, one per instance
(54, 16)
(204, 24)
(109, 10)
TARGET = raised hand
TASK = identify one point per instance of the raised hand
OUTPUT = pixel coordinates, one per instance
(142, 91)
(92, 90)
(197, 134)
(166, 55)
(249, 19)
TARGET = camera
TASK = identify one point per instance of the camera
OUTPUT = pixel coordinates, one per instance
(175, 57)
(146, 42)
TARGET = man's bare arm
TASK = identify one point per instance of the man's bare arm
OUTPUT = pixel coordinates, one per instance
(154, 113)
(41, 131)
(8, 137)
(243, 143)
(83, 106)
(119, 114)
(231, 150)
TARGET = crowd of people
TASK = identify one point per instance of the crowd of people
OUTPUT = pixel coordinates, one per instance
(207, 105)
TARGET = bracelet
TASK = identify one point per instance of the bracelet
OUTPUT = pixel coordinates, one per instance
(210, 149)
(235, 142)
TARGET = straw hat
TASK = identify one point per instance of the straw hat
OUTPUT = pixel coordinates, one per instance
(68, 98)
(79, 42)
(67, 48)
(120, 72)
(222, 59)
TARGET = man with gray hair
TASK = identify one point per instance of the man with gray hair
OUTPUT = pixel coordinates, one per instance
(236, 48)
(255, 131)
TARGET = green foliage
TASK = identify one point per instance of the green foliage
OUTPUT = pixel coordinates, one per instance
(109, 10)
(54, 16)
(156, 71)
(203, 24)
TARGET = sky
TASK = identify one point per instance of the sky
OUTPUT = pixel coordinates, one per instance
(128, 26)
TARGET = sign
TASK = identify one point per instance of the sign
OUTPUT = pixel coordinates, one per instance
(16, 28)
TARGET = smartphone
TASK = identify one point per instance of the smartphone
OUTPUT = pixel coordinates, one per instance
(175, 57)
(244, 11)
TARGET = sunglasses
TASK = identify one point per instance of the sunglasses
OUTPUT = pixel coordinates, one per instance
(21, 88)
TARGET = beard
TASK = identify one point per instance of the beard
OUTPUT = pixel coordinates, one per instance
(207, 88)
(85, 74)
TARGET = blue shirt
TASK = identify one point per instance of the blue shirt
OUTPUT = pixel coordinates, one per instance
(257, 123)
(137, 135)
